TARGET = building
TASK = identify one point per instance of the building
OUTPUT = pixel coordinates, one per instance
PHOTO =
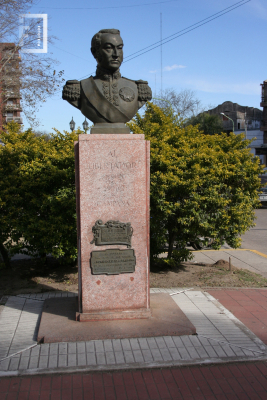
(10, 107)
(248, 120)
(264, 116)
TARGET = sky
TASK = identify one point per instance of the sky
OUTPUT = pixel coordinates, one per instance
(222, 60)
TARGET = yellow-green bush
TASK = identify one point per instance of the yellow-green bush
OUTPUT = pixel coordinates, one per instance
(37, 193)
(200, 184)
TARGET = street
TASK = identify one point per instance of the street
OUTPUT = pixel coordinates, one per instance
(256, 238)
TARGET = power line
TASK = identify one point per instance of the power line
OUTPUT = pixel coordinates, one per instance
(187, 30)
(104, 8)
(177, 34)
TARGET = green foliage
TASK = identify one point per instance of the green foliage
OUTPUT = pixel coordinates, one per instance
(37, 193)
(201, 185)
(208, 124)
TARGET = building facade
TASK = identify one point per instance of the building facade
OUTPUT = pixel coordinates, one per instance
(10, 108)
(249, 120)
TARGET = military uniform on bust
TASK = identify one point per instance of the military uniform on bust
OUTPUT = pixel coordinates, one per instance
(108, 99)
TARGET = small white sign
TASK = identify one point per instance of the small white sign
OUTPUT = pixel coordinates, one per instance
(41, 33)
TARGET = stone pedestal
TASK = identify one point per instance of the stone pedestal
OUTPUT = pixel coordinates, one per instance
(112, 184)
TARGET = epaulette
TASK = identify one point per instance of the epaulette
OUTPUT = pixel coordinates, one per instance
(144, 91)
(71, 90)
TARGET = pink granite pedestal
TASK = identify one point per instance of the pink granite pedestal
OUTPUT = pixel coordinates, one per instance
(112, 183)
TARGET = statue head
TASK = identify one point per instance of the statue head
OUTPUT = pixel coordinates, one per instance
(107, 49)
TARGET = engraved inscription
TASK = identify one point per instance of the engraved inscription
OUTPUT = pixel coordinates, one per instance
(113, 166)
(113, 262)
(112, 232)
(113, 203)
(114, 182)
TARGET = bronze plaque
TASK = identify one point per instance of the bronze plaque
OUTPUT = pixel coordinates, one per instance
(112, 232)
(113, 261)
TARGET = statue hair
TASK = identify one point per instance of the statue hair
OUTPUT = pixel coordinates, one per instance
(96, 40)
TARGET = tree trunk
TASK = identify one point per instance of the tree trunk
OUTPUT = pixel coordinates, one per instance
(4, 254)
(171, 242)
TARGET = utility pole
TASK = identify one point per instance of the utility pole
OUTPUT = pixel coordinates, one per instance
(246, 125)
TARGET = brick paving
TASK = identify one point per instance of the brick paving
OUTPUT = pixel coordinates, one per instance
(233, 381)
(248, 305)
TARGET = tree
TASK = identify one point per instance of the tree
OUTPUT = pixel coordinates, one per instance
(37, 194)
(207, 123)
(200, 184)
(32, 74)
(185, 104)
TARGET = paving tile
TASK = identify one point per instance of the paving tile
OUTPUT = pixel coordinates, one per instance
(156, 354)
(81, 359)
(148, 357)
(143, 343)
(52, 361)
(108, 345)
(24, 362)
(152, 343)
(90, 347)
(169, 341)
(100, 358)
(99, 347)
(110, 357)
(62, 360)
(134, 344)
(63, 348)
(175, 354)
(129, 356)
(119, 357)
(116, 345)
(44, 349)
(138, 356)
(34, 361)
(80, 347)
(72, 360)
(43, 362)
(14, 364)
(91, 358)
(161, 343)
(72, 348)
(165, 354)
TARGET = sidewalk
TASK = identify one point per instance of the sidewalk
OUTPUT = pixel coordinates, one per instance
(251, 260)
(220, 338)
(231, 327)
(222, 382)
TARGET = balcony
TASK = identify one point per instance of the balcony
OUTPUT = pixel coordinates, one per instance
(15, 119)
(12, 95)
(11, 107)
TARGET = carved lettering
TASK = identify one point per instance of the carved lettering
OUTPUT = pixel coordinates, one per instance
(118, 203)
(113, 166)
(112, 153)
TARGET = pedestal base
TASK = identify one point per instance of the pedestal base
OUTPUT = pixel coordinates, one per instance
(113, 315)
(58, 322)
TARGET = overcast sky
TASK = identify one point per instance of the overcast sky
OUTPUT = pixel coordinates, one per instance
(224, 59)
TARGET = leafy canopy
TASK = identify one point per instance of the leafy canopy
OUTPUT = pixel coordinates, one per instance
(207, 123)
(201, 185)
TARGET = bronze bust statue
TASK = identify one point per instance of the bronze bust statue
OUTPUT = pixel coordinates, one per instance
(107, 99)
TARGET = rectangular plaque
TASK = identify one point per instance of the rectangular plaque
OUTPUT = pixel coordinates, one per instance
(112, 232)
(113, 262)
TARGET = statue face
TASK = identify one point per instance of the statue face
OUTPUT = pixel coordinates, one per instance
(110, 52)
